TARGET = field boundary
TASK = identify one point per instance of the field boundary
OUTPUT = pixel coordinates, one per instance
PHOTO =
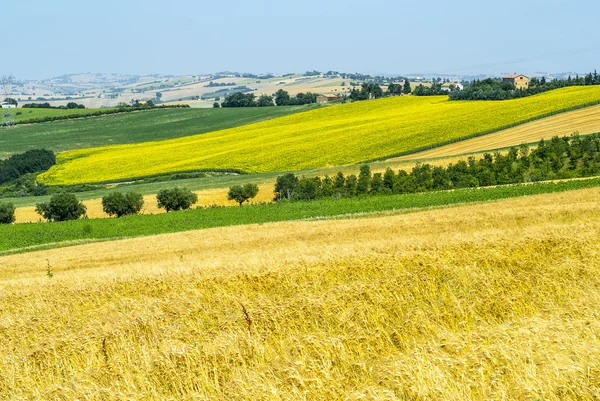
(483, 133)
(96, 113)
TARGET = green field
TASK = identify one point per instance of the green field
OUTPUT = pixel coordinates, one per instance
(333, 136)
(14, 237)
(24, 115)
(128, 127)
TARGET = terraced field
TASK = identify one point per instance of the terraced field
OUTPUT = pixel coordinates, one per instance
(506, 308)
(332, 136)
(584, 121)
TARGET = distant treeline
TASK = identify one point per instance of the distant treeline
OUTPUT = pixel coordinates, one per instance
(121, 108)
(281, 98)
(212, 84)
(497, 89)
(559, 158)
(70, 105)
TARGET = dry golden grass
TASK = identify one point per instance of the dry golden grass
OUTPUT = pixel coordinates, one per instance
(483, 302)
(584, 121)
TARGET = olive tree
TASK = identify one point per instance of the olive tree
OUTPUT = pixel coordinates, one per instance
(176, 199)
(119, 204)
(241, 194)
(61, 207)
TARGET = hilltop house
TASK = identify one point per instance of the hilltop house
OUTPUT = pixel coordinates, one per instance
(327, 98)
(520, 81)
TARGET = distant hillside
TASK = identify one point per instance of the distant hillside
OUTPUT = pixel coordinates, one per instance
(337, 135)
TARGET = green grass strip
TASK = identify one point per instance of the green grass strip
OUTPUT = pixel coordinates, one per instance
(19, 236)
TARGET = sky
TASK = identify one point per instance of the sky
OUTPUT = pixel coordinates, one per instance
(45, 38)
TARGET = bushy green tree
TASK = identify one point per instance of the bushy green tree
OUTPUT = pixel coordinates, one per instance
(364, 180)
(376, 184)
(308, 188)
(282, 98)
(176, 199)
(119, 204)
(239, 99)
(7, 213)
(285, 187)
(406, 89)
(61, 207)
(265, 101)
(241, 194)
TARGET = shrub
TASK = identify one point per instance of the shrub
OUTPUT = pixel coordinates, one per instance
(119, 204)
(62, 207)
(7, 213)
(241, 194)
(176, 199)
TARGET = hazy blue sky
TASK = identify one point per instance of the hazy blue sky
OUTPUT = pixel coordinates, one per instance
(48, 38)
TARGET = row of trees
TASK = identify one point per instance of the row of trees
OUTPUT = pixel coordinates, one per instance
(69, 106)
(65, 206)
(497, 89)
(559, 158)
(374, 91)
(282, 98)
(434, 90)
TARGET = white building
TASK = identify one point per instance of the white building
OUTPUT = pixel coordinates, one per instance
(7, 106)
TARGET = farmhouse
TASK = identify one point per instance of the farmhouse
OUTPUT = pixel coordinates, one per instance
(448, 86)
(520, 81)
(5, 105)
(327, 98)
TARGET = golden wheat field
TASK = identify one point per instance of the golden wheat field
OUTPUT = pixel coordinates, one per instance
(496, 301)
(330, 136)
(584, 121)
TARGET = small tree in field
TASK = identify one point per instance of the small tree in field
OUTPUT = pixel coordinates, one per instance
(176, 199)
(7, 213)
(241, 194)
(62, 207)
(119, 204)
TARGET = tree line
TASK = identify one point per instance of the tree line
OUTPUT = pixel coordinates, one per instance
(281, 98)
(65, 206)
(559, 158)
(121, 108)
(369, 91)
(497, 89)
(69, 106)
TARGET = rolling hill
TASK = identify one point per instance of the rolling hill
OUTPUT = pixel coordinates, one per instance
(332, 136)
(584, 121)
(133, 127)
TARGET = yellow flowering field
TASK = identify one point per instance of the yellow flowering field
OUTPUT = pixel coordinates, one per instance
(332, 136)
